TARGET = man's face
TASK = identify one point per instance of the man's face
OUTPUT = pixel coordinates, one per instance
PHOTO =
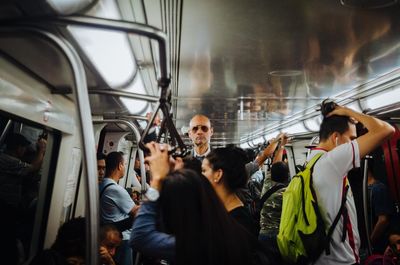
(101, 169)
(394, 240)
(122, 167)
(348, 136)
(200, 131)
(111, 242)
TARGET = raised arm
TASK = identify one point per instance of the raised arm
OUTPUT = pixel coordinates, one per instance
(268, 151)
(378, 130)
(279, 153)
(37, 161)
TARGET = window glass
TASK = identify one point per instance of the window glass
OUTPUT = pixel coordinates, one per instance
(135, 106)
(109, 51)
(384, 98)
(25, 159)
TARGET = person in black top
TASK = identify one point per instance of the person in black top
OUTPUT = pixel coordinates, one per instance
(226, 171)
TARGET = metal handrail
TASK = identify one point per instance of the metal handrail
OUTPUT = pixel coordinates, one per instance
(124, 94)
(136, 132)
(109, 24)
(81, 99)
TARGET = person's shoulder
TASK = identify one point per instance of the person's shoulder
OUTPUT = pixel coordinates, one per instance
(240, 211)
(379, 187)
(7, 159)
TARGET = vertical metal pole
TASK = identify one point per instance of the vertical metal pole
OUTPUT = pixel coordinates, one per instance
(5, 131)
(136, 132)
(83, 111)
(365, 204)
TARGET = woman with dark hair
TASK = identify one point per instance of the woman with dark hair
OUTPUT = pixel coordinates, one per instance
(225, 168)
(196, 227)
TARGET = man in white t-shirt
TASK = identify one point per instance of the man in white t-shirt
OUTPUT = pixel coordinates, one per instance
(342, 152)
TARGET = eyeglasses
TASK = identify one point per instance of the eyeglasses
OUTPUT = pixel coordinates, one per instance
(201, 127)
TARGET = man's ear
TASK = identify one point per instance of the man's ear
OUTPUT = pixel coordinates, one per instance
(120, 165)
(211, 131)
(334, 138)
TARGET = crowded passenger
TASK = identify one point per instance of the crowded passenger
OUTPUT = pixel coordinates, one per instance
(68, 248)
(393, 248)
(342, 151)
(116, 206)
(101, 167)
(110, 239)
(225, 168)
(272, 207)
(196, 228)
(13, 170)
(258, 184)
(200, 132)
(381, 209)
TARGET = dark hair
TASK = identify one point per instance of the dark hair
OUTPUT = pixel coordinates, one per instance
(232, 161)
(71, 238)
(112, 161)
(204, 232)
(192, 163)
(101, 156)
(335, 123)
(251, 154)
(15, 140)
(279, 172)
(105, 229)
(394, 229)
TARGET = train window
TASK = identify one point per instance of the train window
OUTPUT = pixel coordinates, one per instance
(26, 170)
(136, 106)
(116, 65)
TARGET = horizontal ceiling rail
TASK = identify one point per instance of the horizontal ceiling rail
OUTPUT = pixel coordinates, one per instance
(373, 87)
(124, 94)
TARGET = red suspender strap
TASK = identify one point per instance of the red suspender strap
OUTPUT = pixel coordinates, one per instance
(347, 223)
(354, 155)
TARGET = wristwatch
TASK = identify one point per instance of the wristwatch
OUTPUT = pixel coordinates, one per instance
(152, 194)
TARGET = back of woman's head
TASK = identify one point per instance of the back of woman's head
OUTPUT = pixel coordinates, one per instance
(187, 200)
(232, 161)
(192, 211)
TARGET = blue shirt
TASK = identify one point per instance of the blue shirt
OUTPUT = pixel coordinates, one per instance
(146, 239)
(115, 204)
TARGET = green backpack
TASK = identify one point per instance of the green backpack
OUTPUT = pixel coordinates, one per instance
(302, 234)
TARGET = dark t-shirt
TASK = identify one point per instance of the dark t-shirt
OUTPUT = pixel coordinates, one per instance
(12, 172)
(243, 217)
(380, 204)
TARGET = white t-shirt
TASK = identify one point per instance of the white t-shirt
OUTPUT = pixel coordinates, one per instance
(329, 172)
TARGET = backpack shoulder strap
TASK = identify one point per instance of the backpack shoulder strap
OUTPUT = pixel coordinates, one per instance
(271, 191)
(310, 165)
(342, 209)
(101, 193)
(313, 161)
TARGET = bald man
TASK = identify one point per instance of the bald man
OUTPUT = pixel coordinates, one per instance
(200, 132)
